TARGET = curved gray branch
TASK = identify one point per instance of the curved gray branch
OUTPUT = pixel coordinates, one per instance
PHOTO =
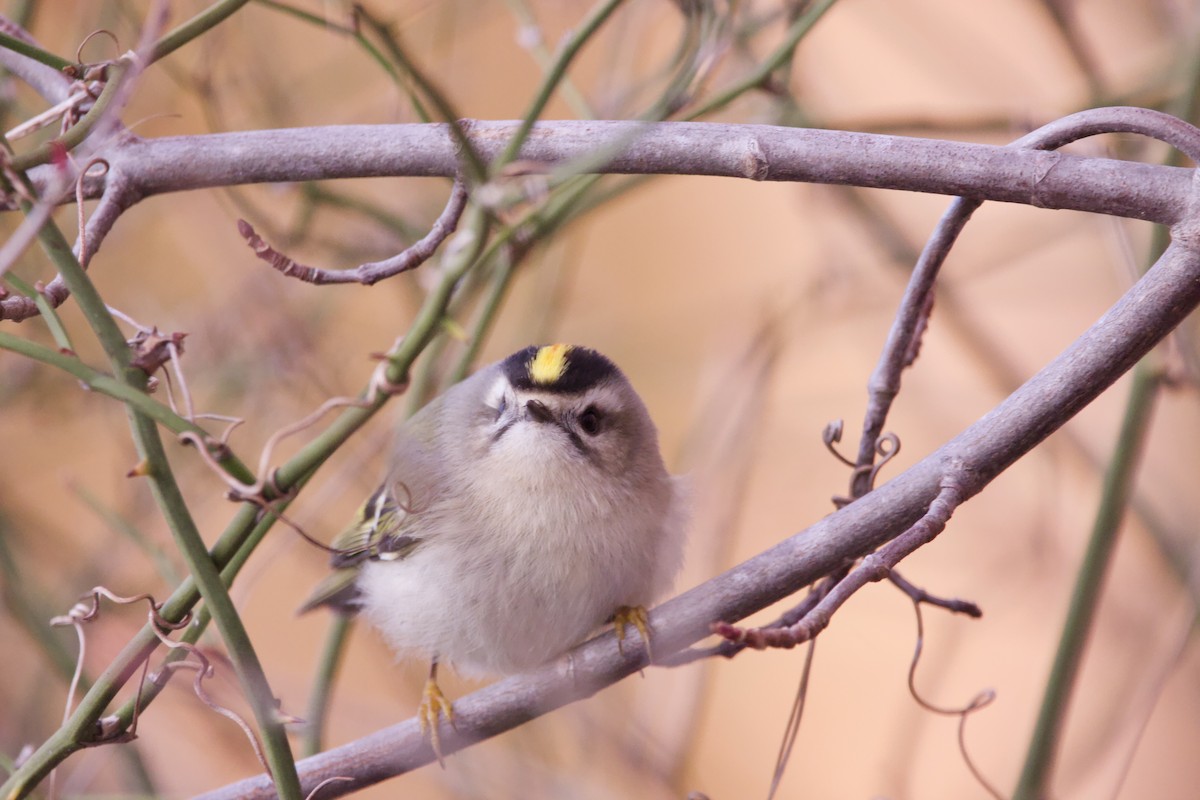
(758, 152)
(1141, 318)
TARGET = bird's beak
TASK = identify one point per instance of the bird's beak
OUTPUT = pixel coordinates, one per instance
(538, 411)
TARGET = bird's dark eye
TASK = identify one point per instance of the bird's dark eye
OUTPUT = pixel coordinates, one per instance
(589, 420)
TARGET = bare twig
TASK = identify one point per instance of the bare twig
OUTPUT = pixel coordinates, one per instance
(911, 320)
(727, 648)
(919, 595)
(375, 271)
(792, 731)
(142, 168)
(874, 567)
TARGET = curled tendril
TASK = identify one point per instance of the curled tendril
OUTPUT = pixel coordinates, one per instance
(92, 35)
(204, 669)
(326, 782)
(833, 435)
(84, 254)
(976, 703)
(266, 477)
(88, 609)
(886, 447)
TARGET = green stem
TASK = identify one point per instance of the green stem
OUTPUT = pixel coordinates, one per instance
(49, 314)
(545, 61)
(473, 165)
(33, 51)
(206, 20)
(106, 384)
(1034, 782)
(171, 503)
(327, 668)
(796, 31)
(217, 600)
(554, 77)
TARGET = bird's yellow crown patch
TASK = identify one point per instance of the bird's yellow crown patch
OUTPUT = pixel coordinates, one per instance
(548, 364)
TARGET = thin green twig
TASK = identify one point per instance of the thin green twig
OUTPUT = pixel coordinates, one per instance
(203, 22)
(170, 500)
(473, 165)
(48, 314)
(322, 691)
(796, 31)
(580, 36)
(1034, 782)
(33, 51)
(80, 130)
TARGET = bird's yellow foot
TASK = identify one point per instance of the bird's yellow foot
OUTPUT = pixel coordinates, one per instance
(434, 706)
(635, 616)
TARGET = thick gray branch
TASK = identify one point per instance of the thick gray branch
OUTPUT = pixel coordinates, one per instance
(1147, 312)
(759, 152)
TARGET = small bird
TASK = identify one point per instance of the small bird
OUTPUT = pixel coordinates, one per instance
(524, 508)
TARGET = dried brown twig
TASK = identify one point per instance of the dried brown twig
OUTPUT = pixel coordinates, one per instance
(874, 567)
(375, 271)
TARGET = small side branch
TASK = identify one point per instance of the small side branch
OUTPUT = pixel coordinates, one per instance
(919, 595)
(912, 318)
(874, 567)
(373, 272)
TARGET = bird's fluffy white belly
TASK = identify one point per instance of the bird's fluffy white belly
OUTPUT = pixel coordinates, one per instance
(500, 602)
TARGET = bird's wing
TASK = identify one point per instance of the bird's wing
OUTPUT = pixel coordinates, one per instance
(377, 532)
(382, 528)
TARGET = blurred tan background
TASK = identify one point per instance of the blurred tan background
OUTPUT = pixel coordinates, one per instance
(676, 281)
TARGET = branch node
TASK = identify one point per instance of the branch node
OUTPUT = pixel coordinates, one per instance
(754, 163)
